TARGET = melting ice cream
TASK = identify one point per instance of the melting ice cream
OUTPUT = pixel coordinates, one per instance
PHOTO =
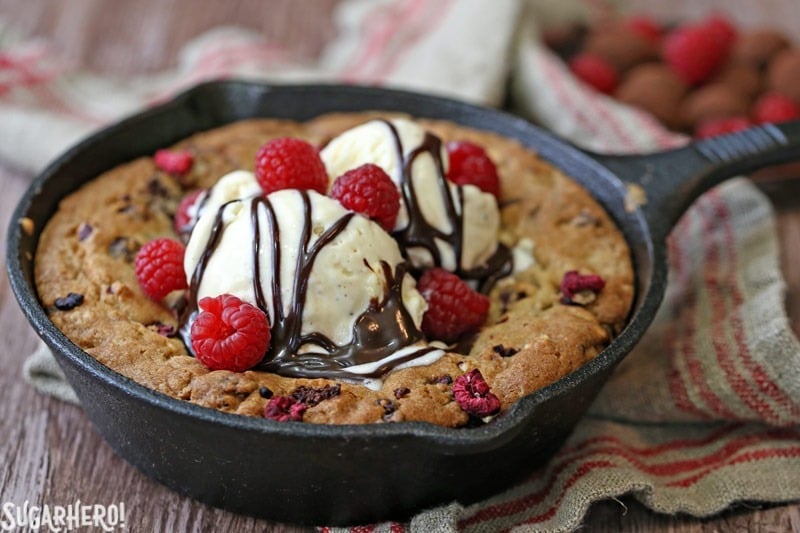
(335, 286)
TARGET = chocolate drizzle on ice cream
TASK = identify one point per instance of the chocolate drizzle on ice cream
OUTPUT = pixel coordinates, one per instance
(443, 224)
(382, 336)
(337, 289)
(385, 327)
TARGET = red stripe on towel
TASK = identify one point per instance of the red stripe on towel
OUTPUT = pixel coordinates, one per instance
(379, 28)
(763, 382)
(680, 335)
(556, 79)
(534, 498)
(667, 469)
(584, 470)
(659, 448)
(716, 283)
(747, 457)
(433, 18)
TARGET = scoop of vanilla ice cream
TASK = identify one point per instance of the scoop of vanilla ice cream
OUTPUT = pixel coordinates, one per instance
(391, 145)
(233, 186)
(343, 280)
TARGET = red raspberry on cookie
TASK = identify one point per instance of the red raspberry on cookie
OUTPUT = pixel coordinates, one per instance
(159, 267)
(229, 334)
(454, 308)
(284, 409)
(369, 190)
(474, 396)
(471, 165)
(290, 163)
(577, 288)
(176, 162)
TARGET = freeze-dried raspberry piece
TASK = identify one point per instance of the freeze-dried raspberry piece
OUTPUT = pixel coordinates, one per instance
(574, 285)
(284, 409)
(474, 396)
(369, 190)
(229, 334)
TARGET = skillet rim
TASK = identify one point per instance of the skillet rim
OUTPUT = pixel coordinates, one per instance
(501, 429)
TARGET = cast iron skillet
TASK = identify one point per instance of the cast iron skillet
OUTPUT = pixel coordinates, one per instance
(340, 475)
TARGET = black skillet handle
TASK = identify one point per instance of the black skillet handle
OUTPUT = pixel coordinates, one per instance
(673, 179)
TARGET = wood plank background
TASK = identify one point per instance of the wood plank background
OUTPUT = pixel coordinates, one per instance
(50, 453)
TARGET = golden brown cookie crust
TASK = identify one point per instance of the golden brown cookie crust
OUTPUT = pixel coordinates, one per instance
(529, 341)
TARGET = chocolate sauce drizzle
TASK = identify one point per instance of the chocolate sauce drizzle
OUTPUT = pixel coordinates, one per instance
(420, 233)
(385, 327)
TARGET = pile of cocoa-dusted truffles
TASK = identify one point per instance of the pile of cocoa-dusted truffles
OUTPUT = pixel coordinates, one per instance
(702, 77)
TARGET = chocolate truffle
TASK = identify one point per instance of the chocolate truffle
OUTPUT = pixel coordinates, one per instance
(655, 88)
(565, 41)
(620, 46)
(783, 74)
(758, 47)
(713, 101)
(743, 76)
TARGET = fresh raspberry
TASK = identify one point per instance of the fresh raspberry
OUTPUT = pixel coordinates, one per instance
(645, 27)
(721, 29)
(573, 284)
(185, 219)
(721, 126)
(693, 52)
(595, 71)
(453, 307)
(473, 395)
(178, 162)
(229, 334)
(284, 409)
(470, 165)
(290, 163)
(370, 191)
(775, 107)
(159, 267)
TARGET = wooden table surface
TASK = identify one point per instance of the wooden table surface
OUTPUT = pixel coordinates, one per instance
(50, 453)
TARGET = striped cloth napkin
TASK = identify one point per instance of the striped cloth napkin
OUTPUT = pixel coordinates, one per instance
(703, 414)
